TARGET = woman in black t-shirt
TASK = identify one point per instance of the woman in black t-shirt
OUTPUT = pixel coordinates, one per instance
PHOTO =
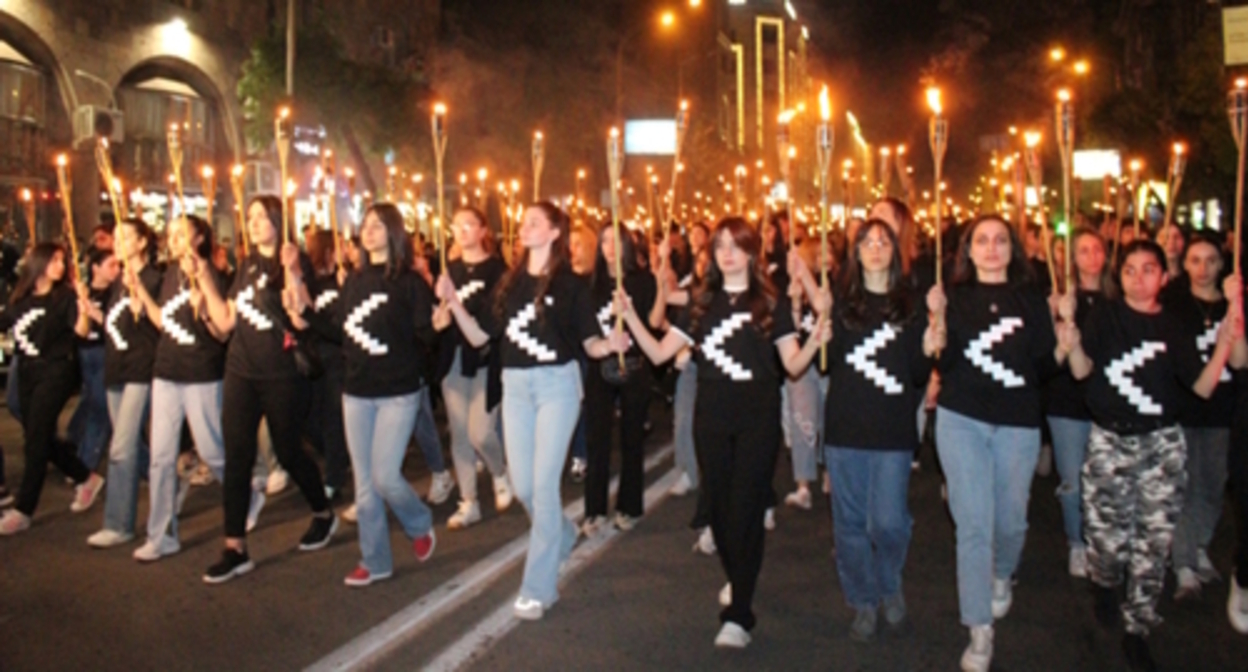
(42, 313)
(738, 324)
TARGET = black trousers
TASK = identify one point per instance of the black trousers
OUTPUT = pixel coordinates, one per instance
(736, 427)
(323, 427)
(43, 390)
(1238, 476)
(284, 403)
(600, 396)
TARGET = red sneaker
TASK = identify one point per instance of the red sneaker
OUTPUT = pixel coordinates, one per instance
(423, 546)
(360, 577)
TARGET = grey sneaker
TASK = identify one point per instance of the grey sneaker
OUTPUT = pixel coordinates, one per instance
(863, 627)
(894, 608)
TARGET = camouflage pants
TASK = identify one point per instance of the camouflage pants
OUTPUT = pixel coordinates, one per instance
(1132, 494)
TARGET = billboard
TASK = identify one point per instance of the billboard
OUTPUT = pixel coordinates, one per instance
(650, 137)
(1095, 164)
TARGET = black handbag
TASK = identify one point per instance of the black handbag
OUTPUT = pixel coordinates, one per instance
(613, 374)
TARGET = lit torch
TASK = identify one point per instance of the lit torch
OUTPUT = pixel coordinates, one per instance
(938, 138)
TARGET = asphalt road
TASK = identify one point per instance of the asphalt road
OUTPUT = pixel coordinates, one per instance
(637, 601)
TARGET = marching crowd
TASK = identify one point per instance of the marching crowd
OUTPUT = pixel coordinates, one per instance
(1129, 376)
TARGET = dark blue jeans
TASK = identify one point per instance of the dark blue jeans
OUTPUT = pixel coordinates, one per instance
(90, 426)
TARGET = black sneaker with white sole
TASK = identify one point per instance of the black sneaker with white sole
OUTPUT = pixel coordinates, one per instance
(232, 563)
(319, 533)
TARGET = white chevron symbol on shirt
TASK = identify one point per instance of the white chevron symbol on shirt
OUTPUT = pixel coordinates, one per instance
(808, 323)
(248, 310)
(469, 289)
(110, 323)
(862, 359)
(19, 331)
(721, 333)
(353, 327)
(517, 331)
(324, 299)
(176, 331)
(977, 351)
(1205, 343)
(1118, 373)
(606, 322)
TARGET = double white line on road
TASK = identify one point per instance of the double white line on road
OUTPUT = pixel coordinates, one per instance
(383, 638)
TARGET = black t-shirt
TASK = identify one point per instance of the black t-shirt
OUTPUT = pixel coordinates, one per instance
(43, 326)
(876, 376)
(130, 342)
(527, 337)
(258, 347)
(187, 352)
(1064, 396)
(729, 347)
(95, 333)
(999, 352)
(1203, 319)
(474, 284)
(384, 324)
(641, 289)
(1143, 367)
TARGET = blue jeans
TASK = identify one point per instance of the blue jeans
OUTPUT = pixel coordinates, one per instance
(90, 426)
(425, 431)
(803, 415)
(870, 521)
(989, 470)
(1070, 447)
(128, 455)
(199, 405)
(377, 431)
(682, 421)
(540, 408)
(474, 429)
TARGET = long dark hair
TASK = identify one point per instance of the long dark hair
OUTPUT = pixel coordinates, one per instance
(139, 228)
(560, 258)
(855, 288)
(601, 277)
(201, 228)
(487, 241)
(906, 230)
(398, 243)
(1019, 270)
(273, 209)
(37, 261)
(760, 295)
(1106, 278)
(779, 246)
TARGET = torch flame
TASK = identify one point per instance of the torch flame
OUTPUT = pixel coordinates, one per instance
(1136, 165)
(26, 195)
(537, 135)
(615, 133)
(283, 113)
(933, 100)
(207, 172)
(1179, 148)
(825, 105)
(237, 170)
(1032, 138)
(684, 105)
(1063, 95)
(785, 117)
(62, 160)
(885, 152)
(439, 109)
(1241, 83)
(292, 187)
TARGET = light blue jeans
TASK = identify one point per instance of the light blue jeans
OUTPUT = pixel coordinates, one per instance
(802, 421)
(474, 430)
(425, 432)
(199, 405)
(377, 433)
(127, 406)
(540, 409)
(870, 521)
(682, 419)
(1070, 447)
(989, 470)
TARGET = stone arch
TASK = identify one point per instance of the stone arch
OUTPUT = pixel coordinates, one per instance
(201, 82)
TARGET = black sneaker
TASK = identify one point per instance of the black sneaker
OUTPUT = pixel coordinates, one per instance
(1105, 606)
(232, 563)
(6, 497)
(319, 533)
(1139, 658)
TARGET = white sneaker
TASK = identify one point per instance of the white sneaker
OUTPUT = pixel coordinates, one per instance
(978, 654)
(278, 480)
(350, 514)
(1002, 597)
(1078, 564)
(1205, 571)
(705, 543)
(201, 475)
(107, 538)
(1237, 607)
(625, 522)
(725, 595)
(798, 499)
(732, 636)
(1188, 584)
(503, 496)
(469, 512)
(526, 609)
(440, 487)
(682, 486)
(591, 525)
(253, 510)
(769, 520)
(151, 551)
(12, 522)
(86, 493)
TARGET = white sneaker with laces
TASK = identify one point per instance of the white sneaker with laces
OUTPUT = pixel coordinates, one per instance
(725, 595)
(1236, 606)
(107, 538)
(705, 543)
(503, 496)
(682, 486)
(526, 609)
(799, 499)
(469, 512)
(769, 520)
(732, 636)
(278, 480)
(12, 522)
(1002, 597)
(440, 487)
(978, 654)
(1078, 564)
(151, 551)
(86, 493)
